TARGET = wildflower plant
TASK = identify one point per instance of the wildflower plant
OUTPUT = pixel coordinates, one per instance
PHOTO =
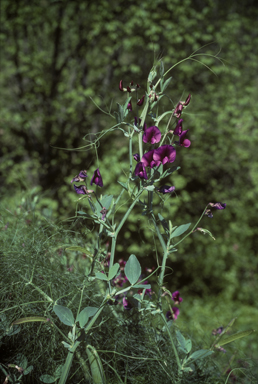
(121, 289)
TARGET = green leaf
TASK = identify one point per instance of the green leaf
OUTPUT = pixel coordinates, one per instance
(120, 113)
(163, 222)
(85, 314)
(161, 68)
(123, 185)
(47, 379)
(234, 337)
(142, 286)
(113, 271)
(101, 276)
(28, 370)
(65, 315)
(180, 230)
(169, 171)
(184, 345)
(132, 269)
(200, 354)
(21, 361)
(97, 371)
(166, 84)
(29, 320)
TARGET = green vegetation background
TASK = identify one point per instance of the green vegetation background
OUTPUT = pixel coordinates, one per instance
(55, 55)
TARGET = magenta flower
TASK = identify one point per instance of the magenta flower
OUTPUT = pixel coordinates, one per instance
(181, 105)
(165, 154)
(178, 130)
(183, 142)
(140, 171)
(176, 297)
(166, 189)
(173, 315)
(129, 106)
(136, 157)
(152, 135)
(148, 159)
(96, 178)
(104, 213)
(127, 305)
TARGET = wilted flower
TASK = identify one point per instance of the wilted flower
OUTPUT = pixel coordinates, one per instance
(136, 157)
(216, 206)
(217, 331)
(120, 280)
(103, 212)
(140, 101)
(148, 160)
(129, 106)
(140, 171)
(82, 190)
(183, 142)
(166, 189)
(152, 135)
(81, 177)
(181, 105)
(176, 297)
(165, 154)
(96, 178)
(174, 314)
(122, 264)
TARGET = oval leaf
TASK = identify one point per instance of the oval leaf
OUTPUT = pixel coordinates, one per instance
(101, 276)
(113, 271)
(84, 315)
(65, 315)
(180, 230)
(200, 354)
(133, 269)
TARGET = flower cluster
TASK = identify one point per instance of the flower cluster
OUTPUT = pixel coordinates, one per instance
(174, 311)
(218, 206)
(82, 189)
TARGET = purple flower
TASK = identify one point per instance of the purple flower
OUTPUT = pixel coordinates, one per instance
(96, 178)
(81, 189)
(120, 280)
(148, 160)
(166, 189)
(174, 314)
(178, 130)
(152, 135)
(140, 171)
(136, 157)
(140, 101)
(81, 177)
(165, 154)
(176, 297)
(217, 331)
(127, 305)
(183, 141)
(218, 205)
(121, 86)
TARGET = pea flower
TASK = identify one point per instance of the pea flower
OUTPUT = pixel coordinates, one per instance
(82, 190)
(178, 130)
(81, 177)
(140, 171)
(183, 142)
(136, 157)
(148, 160)
(104, 213)
(140, 101)
(129, 106)
(166, 189)
(127, 305)
(176, 297)
(138, 124)
(164, 154)
(96, 178)
(216, 206)
(152, 135)
(174, 314)
(179, 108)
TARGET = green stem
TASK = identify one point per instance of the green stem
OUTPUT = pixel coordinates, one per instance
(128, 213)
(171, 341)
(68, 363)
